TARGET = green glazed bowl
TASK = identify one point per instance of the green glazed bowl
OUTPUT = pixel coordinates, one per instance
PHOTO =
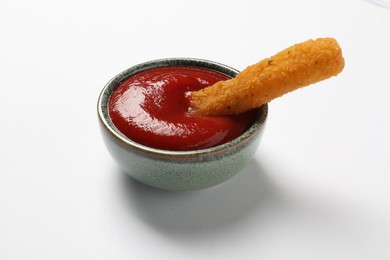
(178, 170)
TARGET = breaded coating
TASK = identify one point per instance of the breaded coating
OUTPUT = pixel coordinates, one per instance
(295, 67)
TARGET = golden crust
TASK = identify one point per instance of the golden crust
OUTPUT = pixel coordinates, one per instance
(295, 67)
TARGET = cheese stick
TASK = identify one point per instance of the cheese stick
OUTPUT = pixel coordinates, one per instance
(297, 66)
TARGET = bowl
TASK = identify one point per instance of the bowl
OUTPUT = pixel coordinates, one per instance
(178, 170)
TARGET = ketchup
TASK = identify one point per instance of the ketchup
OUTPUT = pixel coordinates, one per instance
(152, 108)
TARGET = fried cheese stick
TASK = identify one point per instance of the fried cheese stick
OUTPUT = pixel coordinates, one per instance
(295, 67)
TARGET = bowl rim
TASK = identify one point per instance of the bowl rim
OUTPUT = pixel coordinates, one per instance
(174, 62)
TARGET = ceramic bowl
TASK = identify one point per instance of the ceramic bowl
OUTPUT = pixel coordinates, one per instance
(178, 170)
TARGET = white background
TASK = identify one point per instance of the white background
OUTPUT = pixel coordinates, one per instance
(318, 187)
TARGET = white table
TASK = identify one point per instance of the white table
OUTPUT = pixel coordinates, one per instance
(318, 187)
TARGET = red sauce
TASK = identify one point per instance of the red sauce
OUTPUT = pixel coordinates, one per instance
(152, 108)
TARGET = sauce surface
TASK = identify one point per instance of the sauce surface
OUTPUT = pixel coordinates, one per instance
(152, 108)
